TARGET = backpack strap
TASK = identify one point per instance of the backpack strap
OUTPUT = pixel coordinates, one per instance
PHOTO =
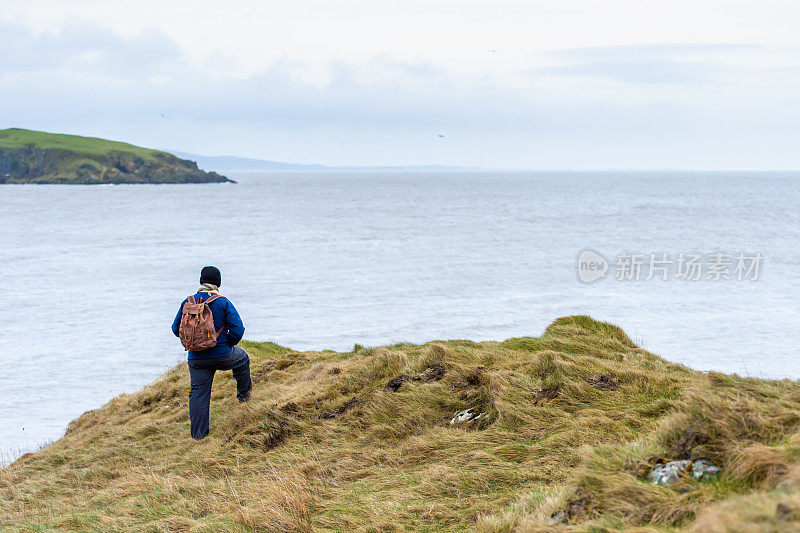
(191, 299)
(212, 298)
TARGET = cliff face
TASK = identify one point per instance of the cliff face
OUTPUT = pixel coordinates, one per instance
(33, 157)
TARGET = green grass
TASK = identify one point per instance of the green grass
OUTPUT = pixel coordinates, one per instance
(70, 159)
(19, 138)
(325, 446)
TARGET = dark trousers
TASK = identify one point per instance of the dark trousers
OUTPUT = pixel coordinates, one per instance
(201, 372)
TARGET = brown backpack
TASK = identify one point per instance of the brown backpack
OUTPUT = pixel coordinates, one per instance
(197, 331)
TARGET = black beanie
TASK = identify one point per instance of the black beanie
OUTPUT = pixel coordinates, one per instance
(210, 275)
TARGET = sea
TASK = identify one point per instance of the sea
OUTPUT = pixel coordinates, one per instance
(699, 268)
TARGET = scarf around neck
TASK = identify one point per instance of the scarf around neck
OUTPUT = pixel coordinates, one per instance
(209, 288)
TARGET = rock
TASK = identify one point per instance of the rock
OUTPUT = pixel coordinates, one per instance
(705, 471)
(463, 416)
(471, 418)
(669, 473)
(672, 471)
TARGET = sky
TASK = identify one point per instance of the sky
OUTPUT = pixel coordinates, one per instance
(556, 84)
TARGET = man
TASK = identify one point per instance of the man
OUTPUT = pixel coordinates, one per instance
(225, 355)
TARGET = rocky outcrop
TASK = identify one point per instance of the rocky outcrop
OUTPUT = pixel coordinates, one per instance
(471, 418)
(669, 473)
(32, 164)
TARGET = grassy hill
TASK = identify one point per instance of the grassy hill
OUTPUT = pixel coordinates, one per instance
(39, 157)
(363, 441)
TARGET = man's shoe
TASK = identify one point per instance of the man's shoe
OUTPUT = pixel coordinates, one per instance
(245, 399)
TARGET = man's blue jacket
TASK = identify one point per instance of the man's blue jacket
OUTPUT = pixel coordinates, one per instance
(226, 318)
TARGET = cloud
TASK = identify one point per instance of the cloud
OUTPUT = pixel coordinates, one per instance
(85, 48)
(638, 71)
(386, 109)
(649, 51)
(648, 63)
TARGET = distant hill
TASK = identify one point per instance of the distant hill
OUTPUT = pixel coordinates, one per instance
(233, 163)
(224, 163)
(38, 157)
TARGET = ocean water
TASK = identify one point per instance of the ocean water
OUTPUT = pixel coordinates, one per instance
(92, 276)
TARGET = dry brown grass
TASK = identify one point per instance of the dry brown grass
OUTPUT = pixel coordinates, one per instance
(579, 415)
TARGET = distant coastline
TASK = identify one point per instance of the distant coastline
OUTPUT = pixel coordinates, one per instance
(35, 157)
(249, 164)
